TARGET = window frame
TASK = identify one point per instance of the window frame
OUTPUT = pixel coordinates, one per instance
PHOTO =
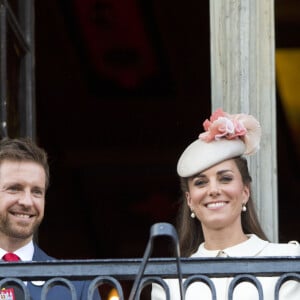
(19, 26)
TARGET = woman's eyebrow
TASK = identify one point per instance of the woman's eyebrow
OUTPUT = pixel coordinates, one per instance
(224, 171)
(199, 175)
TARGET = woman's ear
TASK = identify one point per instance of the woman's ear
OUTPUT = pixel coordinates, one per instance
(188, 198)
(246, 193)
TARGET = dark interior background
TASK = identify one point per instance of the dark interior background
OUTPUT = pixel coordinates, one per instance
(122, 87)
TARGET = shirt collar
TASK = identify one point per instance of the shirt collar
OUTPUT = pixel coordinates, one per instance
(250, 247)
(25, 253)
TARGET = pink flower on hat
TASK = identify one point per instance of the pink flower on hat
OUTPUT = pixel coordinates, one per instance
(252, 137)
(222, 125)
(214, 117)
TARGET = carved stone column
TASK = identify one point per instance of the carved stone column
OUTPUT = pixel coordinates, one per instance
(243, 80)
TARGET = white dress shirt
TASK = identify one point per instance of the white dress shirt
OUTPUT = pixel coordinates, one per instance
(25, 253)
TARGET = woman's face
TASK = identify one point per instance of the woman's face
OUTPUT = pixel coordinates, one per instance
(216, 196)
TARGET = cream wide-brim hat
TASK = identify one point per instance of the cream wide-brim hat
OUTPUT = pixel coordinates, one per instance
(201, 155)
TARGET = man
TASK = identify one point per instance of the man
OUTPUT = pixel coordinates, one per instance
(24, 178)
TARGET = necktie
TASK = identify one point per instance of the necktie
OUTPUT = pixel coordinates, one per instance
(10, 257)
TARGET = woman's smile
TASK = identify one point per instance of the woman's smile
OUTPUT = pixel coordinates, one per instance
(216, 205)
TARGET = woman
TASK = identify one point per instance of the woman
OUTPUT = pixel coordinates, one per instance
(217, 215)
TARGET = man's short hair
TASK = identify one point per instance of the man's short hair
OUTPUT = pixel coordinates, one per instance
(24, 149)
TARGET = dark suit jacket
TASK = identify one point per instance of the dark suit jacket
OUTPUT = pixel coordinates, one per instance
(58, 292)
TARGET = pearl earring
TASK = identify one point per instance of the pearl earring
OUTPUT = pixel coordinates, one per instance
(244, 208)
(193, 215)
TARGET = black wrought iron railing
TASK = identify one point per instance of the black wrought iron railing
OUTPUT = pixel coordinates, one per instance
(142, 272)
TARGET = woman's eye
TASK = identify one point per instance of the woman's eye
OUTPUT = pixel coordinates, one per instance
(226, 178)
(200, 182)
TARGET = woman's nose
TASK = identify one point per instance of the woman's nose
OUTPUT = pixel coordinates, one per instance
(214, 189)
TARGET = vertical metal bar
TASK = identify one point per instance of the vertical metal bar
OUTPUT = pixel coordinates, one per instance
(3, 71)
(27, 72)
(158, 229)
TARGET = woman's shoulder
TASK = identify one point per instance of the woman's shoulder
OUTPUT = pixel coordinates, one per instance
(291, 248)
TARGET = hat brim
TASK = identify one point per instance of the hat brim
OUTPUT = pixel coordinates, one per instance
(201, 155)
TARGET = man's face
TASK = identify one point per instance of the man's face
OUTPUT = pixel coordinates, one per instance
(22, 199)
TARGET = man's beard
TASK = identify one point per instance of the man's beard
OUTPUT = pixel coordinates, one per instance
(18, 231)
